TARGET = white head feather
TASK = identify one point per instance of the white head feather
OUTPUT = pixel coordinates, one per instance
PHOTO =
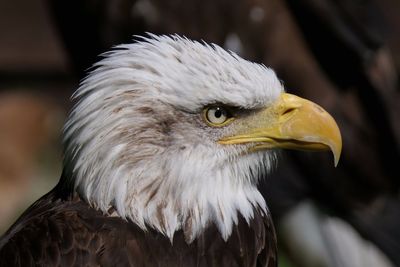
(136, 140)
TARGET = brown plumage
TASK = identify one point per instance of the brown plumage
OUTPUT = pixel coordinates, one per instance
(65, 231)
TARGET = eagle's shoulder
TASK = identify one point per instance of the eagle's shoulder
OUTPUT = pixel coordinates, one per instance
(268, 256)
(55, 231)
(252, 243)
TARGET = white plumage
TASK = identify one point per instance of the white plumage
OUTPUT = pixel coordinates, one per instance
(136, 141)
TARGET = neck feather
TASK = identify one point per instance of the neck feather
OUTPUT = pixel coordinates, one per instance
(186, 197)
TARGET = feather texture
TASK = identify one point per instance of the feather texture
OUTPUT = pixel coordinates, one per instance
(57, 232)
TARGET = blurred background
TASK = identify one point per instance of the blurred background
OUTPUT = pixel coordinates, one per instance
(344, 55)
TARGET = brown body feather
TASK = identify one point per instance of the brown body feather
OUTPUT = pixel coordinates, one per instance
(59, 231)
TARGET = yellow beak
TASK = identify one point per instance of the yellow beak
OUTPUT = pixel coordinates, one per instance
(292, 123)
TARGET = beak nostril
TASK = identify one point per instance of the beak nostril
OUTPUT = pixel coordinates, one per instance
(288, 111)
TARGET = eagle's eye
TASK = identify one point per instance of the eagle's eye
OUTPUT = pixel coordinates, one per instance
(217, 116)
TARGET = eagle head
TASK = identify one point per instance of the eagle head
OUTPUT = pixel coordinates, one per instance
(174, 134)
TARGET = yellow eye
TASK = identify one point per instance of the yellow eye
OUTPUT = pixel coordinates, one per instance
(217, 116)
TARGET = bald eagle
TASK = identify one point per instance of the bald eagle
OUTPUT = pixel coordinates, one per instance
(162, 154)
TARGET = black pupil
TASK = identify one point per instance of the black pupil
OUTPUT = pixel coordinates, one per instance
(218, 113)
